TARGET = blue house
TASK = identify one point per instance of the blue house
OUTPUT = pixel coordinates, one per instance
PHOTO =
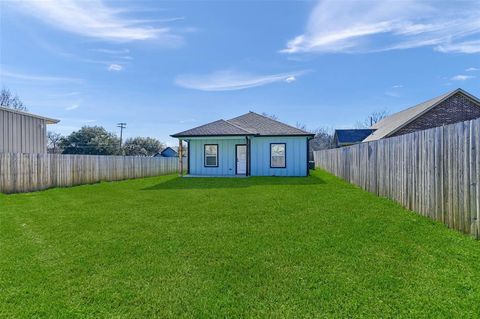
(248, 145)
(167, 152)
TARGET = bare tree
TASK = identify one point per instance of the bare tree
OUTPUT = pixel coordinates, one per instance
(54, 142)
(301, 126)
(7, 99)
(272, 116)
(184, 149)
(372, 119)
(322, 140)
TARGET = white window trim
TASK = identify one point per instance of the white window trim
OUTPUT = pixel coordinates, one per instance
(205, 155)
(284, 155)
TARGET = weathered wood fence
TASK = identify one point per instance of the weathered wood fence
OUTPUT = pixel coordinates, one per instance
(434, 172)
(33, 172)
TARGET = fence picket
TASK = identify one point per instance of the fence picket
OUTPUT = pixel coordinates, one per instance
(434, 172)
(32, 172)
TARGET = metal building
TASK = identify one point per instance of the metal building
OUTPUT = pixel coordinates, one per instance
(22, 132)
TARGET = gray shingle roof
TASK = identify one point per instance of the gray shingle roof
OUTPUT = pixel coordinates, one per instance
(262, 125)
(394, 122)
(217, 128)
(247, 124)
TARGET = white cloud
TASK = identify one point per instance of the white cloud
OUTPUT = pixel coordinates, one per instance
(64, 94)
(290, 79)
(95, 19)
(472, 69)
(72, 107)
(115, 67)
(112, 51)
(229, 80)
(461, 47)
(76, 120)
(462, 77)
(379, 25)
(35, 77)
(392, 94)
(394, 90)
(183, 121)
(170, 19)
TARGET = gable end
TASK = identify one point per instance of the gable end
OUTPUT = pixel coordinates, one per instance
(457, 108)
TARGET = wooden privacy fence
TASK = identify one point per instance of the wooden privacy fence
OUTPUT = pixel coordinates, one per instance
(434, 172)
(33, 172)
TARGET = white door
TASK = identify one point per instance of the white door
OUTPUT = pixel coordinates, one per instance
(241, 151)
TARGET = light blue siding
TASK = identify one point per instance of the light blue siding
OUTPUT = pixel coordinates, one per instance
(226, 156)
(296, 156)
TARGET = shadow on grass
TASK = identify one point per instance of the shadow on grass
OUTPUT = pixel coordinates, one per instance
(222, 182)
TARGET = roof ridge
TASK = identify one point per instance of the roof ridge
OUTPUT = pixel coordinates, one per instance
(440, 98)
(268, 118)
(223, 124)
(391, 124)
(240, 127)
(354, 129)
(251, 124)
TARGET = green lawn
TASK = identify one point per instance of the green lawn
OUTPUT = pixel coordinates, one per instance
(253, 247)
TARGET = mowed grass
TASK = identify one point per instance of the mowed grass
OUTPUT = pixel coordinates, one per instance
(219, 247)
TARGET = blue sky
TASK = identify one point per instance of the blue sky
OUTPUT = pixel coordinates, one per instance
(166, 66)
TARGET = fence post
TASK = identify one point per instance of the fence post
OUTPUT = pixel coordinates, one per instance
(33, 172)
(435, 172)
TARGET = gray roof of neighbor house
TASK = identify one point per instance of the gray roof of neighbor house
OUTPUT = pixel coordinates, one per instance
(352, 136)
(46, 119)
(394, 122)
(247, 124)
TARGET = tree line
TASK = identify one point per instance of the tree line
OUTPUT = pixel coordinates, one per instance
(96, 140)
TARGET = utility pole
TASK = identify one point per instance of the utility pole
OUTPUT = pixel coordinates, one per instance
(121, 126)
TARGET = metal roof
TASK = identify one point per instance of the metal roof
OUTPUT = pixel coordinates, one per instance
(47, 119)
(351, 136)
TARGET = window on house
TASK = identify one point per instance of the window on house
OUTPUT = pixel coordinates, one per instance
(277, 155)
(211, 155)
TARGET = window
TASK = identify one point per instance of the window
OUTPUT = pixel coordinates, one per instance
(211, 155)
(277, 155)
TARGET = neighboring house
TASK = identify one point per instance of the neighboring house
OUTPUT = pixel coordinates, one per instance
(348, 137)
(22, 132)
(167, 152)
(449, 108)
(250, 144)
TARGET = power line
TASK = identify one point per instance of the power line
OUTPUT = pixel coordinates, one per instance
(121, 126)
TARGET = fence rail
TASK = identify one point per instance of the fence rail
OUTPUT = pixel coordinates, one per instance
(434, 172)
(33, 172)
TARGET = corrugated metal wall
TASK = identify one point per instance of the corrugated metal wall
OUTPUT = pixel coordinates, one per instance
(21, 133)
